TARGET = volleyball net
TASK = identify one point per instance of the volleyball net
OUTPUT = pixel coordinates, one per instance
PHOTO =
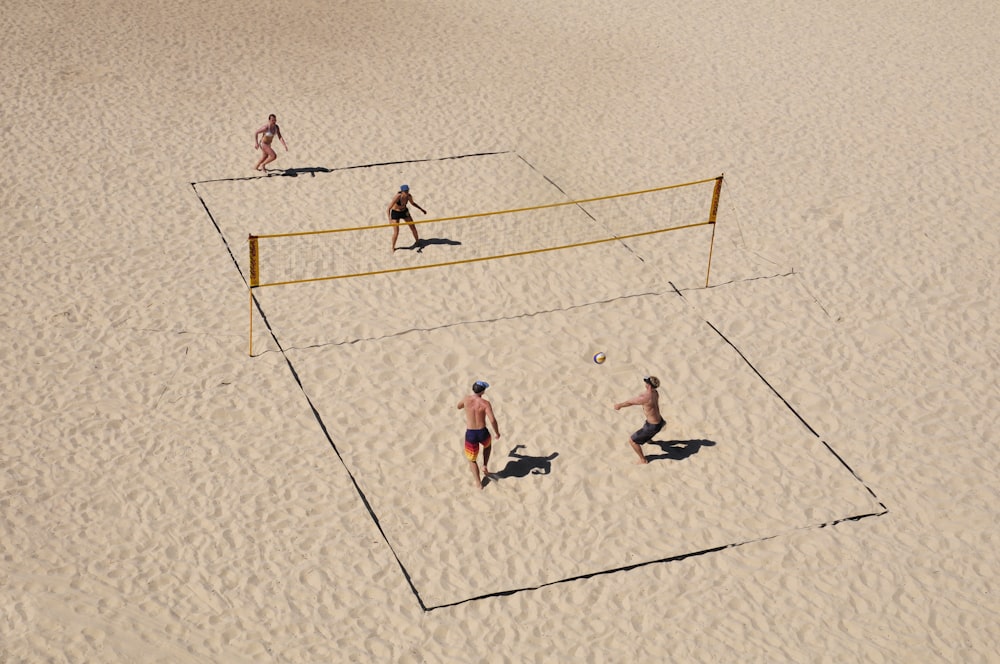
(282, 259)
(587, 240)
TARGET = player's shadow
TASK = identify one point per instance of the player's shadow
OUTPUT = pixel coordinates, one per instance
(426, 242)
(296, 172)
(522, 465)
(677, 450)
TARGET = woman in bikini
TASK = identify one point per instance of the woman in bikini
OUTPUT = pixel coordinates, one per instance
(262, 141)
(398, 211)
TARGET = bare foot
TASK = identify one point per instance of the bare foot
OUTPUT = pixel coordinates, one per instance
(642, 463)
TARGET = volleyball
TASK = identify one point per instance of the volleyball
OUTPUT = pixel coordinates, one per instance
(599, 358)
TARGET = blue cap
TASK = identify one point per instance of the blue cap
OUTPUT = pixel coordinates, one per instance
(404, 187)
(480, 386)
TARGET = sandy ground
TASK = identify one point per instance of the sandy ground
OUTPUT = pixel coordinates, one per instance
(824, 490)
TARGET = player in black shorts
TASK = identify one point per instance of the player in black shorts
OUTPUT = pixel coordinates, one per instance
(398, 210)
(650, 402)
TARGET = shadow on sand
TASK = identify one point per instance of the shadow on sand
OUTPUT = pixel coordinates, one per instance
(677, 450)
(296, 172)
(426, 242)
(522, 465)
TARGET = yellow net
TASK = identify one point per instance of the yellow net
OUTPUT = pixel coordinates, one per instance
(279, 259)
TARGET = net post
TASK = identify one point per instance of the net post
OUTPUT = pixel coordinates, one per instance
(254, 280)
(254, 262)
(250, 291)
(712, 215)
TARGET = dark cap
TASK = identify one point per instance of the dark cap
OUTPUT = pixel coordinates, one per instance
(652, 381)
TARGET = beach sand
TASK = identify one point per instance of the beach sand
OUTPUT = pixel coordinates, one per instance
(825, 486)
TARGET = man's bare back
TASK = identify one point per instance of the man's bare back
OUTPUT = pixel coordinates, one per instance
(477, 411)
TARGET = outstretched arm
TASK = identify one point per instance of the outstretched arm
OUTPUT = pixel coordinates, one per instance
(634, 401)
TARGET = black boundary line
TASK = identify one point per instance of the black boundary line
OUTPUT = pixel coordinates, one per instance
(315, 412)
(462, 323)
(578, 205)
(357, 487)
(313, 170)
(527, 314)
(364, 498)
(225, 241)
(804, 423)
(669, 559)
(759, 375)
(682, 556)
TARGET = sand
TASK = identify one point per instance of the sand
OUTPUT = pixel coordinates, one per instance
(824, 489)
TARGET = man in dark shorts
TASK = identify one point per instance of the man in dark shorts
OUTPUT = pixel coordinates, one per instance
(398, 211)
(477, 410)
(650, 402)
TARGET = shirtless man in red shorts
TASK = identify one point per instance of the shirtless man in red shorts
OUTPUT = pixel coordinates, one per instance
(477, 409)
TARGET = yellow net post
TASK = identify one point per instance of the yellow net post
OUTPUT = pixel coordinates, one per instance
(250, 291)
(715, 199)
(254, 280)
(254, 262)
(712, 214)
